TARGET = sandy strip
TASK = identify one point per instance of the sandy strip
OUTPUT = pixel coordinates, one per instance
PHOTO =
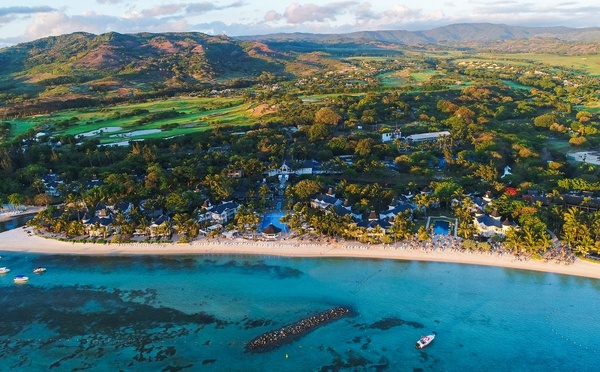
(6, 215)
(20, 240)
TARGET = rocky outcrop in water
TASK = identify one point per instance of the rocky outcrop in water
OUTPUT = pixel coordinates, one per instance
(292, 332)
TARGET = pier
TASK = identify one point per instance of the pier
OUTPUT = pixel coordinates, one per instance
(292, 332)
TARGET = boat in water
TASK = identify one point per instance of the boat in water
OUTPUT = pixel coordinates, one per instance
(424, 341)
(39, 270)
(21, 279)
(4, 270)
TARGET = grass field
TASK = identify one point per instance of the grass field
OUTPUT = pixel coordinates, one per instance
(586, 63)
(196, 114)
(514, 85)
(594, 108)
(422, 76)
(394, 79)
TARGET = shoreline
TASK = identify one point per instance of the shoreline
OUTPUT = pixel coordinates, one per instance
(12, 215)
(22, 240)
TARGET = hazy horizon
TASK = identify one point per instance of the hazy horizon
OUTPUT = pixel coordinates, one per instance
(33, 19)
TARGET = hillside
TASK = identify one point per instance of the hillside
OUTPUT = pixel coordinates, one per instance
(114, 66)
(83, 69)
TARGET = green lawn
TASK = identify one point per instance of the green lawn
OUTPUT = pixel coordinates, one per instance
(420, 77)
(514, 85)
(196, 114)
(19, 126)
(593, 108)
(393, 79)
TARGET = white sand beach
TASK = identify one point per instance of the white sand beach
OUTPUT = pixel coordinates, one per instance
(23, 240)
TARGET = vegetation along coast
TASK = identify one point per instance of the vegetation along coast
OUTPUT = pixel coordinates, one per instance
(475, 151)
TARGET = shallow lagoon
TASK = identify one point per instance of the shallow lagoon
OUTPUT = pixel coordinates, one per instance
(190, 313)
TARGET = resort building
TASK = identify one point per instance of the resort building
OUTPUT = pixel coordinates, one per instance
(99, 225)
(224, 212)
(414, 138)
(375, 224)
(160, 227)
(297, 168)
(492, 224)
(390, 136)
(325, 201)
(346, 209)
(52, 183)
(427, 137)
(271, 232)
(395, 209)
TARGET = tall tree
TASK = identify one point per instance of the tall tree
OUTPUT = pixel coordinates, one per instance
(576, 231)
(326, 115)
(464, 213)
(16, 199)
(403, 226)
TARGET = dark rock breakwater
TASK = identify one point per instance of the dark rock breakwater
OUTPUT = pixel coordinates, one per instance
(292, 332)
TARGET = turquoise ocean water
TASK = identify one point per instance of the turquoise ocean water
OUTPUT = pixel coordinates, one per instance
(197, 313)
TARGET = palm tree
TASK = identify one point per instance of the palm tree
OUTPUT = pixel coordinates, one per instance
(423, 234)
(403, 226)
(16, 200)
(464, 214)
(513, 239)
(119, 221)
(179, 220)
(423, 200)
(530, 238)
(74, 229)
(38, 185)
(577, 232)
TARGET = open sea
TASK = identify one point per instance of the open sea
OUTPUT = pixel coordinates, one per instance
(190, 313)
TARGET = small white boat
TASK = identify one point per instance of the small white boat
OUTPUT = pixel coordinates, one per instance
(39, 270)
(4, 270)
(424, 341)
(21, 279)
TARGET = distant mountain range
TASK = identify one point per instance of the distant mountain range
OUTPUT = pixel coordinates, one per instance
(456, 33)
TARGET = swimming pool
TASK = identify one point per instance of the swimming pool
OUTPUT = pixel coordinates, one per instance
(441, 227)
(273, 218)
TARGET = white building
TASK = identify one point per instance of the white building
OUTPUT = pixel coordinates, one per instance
(491, 224)
(224, 212)
(427, 137)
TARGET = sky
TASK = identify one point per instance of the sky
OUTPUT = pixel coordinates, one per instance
(33, 19)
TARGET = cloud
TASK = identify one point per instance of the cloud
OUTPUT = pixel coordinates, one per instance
(571, 14)
(363, 12)
(297, 14)
(348, 16)
(13, 13)
(163, 10)
(199, 8)
(272, 16)
(187, 9)
(15, 10)
(165, 18)
(112, 1)
(58, 23)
